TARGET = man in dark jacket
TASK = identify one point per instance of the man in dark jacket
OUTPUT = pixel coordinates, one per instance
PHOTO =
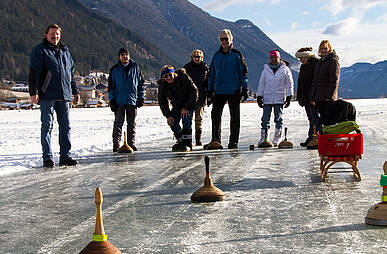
(52, 84)
(178, 89)
(126, 94)
(198, 70)
(227, 83)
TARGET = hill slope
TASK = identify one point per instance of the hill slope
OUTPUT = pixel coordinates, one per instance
(93, 40)
(364, 80)
(177, 27)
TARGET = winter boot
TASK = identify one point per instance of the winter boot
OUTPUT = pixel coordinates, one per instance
(277, 136)
(262, 137)
(179, 141)
(187, 139)
(198, 135)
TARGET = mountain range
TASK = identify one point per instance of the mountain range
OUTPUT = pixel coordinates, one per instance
(157, 32)
(364, 80)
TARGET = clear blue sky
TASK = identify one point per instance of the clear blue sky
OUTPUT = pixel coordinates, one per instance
(357, 29)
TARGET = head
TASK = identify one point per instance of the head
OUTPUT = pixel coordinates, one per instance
(197, 56)
(275, 56)
(53, 33)
(325, 48)
(123, 54)
(225, 38)
(304, 54)
(168, 74)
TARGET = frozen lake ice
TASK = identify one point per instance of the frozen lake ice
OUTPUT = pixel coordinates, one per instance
(275, 203)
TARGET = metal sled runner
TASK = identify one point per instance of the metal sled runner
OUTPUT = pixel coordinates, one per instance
(334, 148)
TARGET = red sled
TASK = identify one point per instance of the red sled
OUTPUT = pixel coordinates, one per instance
(340, 144)
(335, 148)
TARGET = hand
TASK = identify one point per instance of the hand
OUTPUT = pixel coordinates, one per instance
(244, 94)
(210, 98)
(184, 113)
(287, 101)
(34, 99)
(312, 103)
(170, 121)
(76, 99)
(140, 102)
(113, 105)
(260, 101)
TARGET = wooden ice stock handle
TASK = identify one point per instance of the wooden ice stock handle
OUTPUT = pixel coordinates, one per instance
(385, 167)
(98, 199)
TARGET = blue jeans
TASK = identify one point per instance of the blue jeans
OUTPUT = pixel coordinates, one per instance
(187, 121)
(62, 109)
(314, 119)
(265, 120)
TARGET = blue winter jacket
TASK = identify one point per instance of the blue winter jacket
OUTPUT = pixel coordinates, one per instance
(126, 89)
(51, 73)
(228, 72)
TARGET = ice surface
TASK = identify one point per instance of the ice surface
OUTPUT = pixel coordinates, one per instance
(275, 203)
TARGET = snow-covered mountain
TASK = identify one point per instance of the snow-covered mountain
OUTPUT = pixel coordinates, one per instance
(364, 80)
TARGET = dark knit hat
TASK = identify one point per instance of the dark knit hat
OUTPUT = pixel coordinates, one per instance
(123, 51)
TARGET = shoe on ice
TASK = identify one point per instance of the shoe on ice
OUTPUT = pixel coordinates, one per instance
(115, 148)
(232, 145)
(68, 162)
(213, 145)
(48, 164)
(312, 145)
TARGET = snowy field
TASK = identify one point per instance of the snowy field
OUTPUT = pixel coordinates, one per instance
(276, 201)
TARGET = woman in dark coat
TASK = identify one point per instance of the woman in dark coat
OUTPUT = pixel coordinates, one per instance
(177, 88)
(198, 70)
(305, 79)
(325, 81)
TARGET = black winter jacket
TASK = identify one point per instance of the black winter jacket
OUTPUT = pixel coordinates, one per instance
(305, 79)
(326, 79)
(182, 93)
(199, 74)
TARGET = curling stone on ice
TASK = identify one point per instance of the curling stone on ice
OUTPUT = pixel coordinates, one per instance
(209, 192)
(266, 142)
(99, 243)
(125, 148)
(285, 144)
(377, 214)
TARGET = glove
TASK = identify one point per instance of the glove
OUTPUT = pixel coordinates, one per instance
(140, 102)
(210, 98)
(113, 105)
(287, 101)
(260, 101)
(244, 94)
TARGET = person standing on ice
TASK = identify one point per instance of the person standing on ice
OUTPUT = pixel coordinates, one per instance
(325, 81)
(198, 70)
(178, 89)
(275, 90)
(51, 85)
(305, 79)
(126, 94)
(227, 83)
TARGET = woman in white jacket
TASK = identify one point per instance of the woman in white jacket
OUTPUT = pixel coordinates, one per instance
(275, 90)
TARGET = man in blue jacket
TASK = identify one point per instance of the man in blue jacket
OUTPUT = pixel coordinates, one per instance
(126, 94)
(227, 83)
(52, 84)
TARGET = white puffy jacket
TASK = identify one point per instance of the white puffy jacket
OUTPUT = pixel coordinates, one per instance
(274, 88)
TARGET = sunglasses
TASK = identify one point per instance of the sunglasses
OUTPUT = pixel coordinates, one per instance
(168, 76)
(197, 56)
(224, 39)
